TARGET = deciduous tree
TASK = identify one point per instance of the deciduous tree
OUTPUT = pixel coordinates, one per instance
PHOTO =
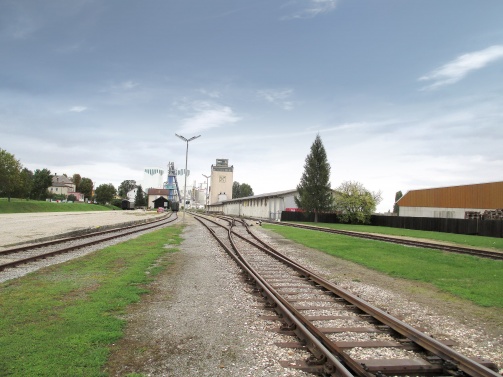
(354, 203)
(105, 193)
(241, 190)
(125, 187)
(76, 179)
(10, 170)
(315, 194)
(42, 179)
(86, 188)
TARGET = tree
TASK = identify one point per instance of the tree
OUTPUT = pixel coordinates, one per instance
(241, 190)
(125, 187)
(42, 179)
(76, 179)
(10, 170)
(398, 195)
(354, 203)
(25, 184)
(140, 200)
(86, 188)
(105, 193)
(315, 194)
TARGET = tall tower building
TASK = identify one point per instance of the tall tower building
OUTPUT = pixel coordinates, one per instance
(152, 178)
(221, 181)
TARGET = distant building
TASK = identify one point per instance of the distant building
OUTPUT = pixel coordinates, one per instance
(457, 202)
(265, 206)
(152, 178)
(154, 194)
(62, 185)
(221, 181)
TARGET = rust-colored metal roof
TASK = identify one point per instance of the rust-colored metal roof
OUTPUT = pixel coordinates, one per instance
(480, 196)
(154, 191)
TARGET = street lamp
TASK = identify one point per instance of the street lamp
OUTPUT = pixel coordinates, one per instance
(206, 198)
(186, 158)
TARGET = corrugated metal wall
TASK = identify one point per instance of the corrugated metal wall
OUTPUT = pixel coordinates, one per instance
(484, 195)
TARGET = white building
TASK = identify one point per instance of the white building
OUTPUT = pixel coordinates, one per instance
(265, 206)
(152, 178)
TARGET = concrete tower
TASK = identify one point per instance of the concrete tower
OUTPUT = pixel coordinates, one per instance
(221, 181)
(152, 178)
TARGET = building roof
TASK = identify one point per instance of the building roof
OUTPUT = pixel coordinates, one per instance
(262, 196)
(154, 191)
(478, 196)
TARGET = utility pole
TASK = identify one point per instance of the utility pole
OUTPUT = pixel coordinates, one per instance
(186, 158)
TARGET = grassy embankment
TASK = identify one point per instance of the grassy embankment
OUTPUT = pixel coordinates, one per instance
(62, 320)
(31, 206)
(476, 279)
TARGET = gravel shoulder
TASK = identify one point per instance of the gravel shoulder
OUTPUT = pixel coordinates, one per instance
(167, 334)
(20, 228)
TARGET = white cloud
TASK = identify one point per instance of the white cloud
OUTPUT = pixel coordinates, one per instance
(208, 116)
(278, 97)
(78, 109)
(314, 8)
(457, 69)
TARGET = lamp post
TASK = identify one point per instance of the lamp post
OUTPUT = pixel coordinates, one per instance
(186, 158)
(206, 197)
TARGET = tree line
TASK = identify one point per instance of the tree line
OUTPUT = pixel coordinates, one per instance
(17, 181)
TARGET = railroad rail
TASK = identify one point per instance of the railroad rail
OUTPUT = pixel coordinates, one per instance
(339, 329)
(371, 236)
(36, 251)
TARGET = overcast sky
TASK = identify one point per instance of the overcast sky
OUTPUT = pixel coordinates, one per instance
(404, 94)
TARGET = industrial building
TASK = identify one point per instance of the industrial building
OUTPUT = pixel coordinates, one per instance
(265, 206)
(221, 181)
(456, 202)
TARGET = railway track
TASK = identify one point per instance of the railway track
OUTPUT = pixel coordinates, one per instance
(401, 241)
(29, 254)
(345, 335)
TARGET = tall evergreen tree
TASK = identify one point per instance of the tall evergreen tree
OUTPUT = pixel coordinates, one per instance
(315, 194)
(140, 200)
(398, 195)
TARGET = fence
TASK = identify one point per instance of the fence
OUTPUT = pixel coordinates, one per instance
(487, 228)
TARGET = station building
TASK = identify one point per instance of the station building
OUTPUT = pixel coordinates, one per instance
(456, 202)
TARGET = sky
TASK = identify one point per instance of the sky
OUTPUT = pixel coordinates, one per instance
(405, 95)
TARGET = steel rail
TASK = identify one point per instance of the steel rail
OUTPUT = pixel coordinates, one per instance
(465, 364)
(429, 245)
(332, 363)
(452, 359)
(80, 246)
(87, 235)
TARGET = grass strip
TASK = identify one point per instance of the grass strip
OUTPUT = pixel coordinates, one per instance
(476, 279)
(60, 321)
(460, 239)
(31, 206)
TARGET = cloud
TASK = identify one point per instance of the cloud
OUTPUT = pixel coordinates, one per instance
(314, 8)
(278, 97)
(78, 109)
(457, 69)
(208, 116)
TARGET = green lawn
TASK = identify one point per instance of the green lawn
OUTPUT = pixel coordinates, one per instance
(476, 279)
(29, 206)
(61, 321)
